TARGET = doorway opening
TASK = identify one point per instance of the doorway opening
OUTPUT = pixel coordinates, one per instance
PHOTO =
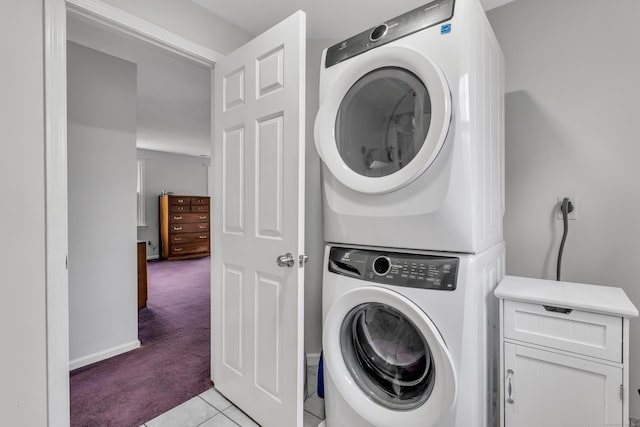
(137, 117)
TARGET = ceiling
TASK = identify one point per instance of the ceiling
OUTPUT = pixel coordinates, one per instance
(326, 20)
(174, 95)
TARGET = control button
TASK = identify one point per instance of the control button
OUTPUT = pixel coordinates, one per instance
(381, 265)
(378, 32)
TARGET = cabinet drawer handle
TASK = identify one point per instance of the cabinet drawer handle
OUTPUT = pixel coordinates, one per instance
(202, 217)
(177, 228)
(180, 208)
(557, 309)
(177, 249)
(509, 386)
(180, 200)
(202, 237)
(177, 217)
(177, 239)
(203, 226)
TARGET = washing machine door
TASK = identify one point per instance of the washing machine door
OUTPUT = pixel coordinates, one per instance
(387, 359)
(384, 120)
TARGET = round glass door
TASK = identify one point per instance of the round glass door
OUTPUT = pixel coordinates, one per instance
(387, 356)
(383, 121)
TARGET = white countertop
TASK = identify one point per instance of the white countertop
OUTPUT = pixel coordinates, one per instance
(580, 296)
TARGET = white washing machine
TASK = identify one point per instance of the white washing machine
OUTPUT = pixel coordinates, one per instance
(410, 338)
(410, 131)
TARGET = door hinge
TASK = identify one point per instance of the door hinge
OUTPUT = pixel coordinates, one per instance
(621, 392)
(302, 260)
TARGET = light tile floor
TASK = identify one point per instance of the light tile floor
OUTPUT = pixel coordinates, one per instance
(211, 409)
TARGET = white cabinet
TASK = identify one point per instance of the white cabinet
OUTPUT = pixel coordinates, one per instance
(564, 354)
(550, 389)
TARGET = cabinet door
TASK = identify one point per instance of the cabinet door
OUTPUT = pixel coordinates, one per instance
(542, 388)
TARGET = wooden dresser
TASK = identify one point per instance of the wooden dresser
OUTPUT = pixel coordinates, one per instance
(184, 227)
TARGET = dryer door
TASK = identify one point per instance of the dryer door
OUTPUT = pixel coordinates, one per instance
(384, 120)
(387, 359)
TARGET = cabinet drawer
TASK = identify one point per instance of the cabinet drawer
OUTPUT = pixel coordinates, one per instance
(181, 238)
(188, 217)
(189, 248)
(180, 208)
(200, 201)
(190, 227)
(591, 334)
(179, 200)
(199, 208)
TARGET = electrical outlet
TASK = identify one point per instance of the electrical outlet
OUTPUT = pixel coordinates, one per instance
(572, 215)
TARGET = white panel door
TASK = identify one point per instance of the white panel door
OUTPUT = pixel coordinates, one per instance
(543, 388)
(258, 206)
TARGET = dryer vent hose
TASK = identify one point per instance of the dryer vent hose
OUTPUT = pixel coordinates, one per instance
(566, 207)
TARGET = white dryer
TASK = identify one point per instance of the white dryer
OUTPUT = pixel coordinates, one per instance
(410, 339)
(410, 131)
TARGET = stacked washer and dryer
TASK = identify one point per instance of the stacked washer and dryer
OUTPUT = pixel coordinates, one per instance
(410, 131)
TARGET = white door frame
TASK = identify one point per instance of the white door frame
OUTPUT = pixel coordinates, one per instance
(55, 114)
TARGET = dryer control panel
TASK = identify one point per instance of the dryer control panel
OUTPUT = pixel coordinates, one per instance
(393, 268)
(428, 15)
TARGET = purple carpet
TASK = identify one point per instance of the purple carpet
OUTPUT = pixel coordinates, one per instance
(173, 364)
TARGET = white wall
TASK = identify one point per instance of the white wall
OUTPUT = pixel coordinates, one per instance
(101, 144)
(23, 380)
(572, 99)
(314, 239)
(188, 20)
(175, 173)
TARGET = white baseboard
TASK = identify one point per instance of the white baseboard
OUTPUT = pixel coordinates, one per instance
(102, 355)
(313, 359)
(153, 257)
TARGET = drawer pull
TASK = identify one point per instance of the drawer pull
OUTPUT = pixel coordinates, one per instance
(558, 309)
(180, 208)
(177, 249)
(509, 386)
(202, 237)
(177, 239)
(203, 226)
(177, 217)
(177, 228)
(180, 200)
(202, 217)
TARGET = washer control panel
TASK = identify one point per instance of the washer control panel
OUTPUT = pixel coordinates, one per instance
(393, 268)
(428, 15)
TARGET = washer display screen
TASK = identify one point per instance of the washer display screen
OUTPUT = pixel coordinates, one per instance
(383, 121)
(387, 356)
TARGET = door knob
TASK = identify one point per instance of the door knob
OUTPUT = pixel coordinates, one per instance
(285, 260)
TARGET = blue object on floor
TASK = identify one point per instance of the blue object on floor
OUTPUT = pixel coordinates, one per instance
(320, 378)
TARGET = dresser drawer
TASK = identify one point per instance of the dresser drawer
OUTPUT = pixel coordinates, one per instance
(189, 237)
(189, 248)
(189, 227)
(180, 208)
(188, 217)
(200, 201)
(582, 332)
(199, 208)
(179, 200)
